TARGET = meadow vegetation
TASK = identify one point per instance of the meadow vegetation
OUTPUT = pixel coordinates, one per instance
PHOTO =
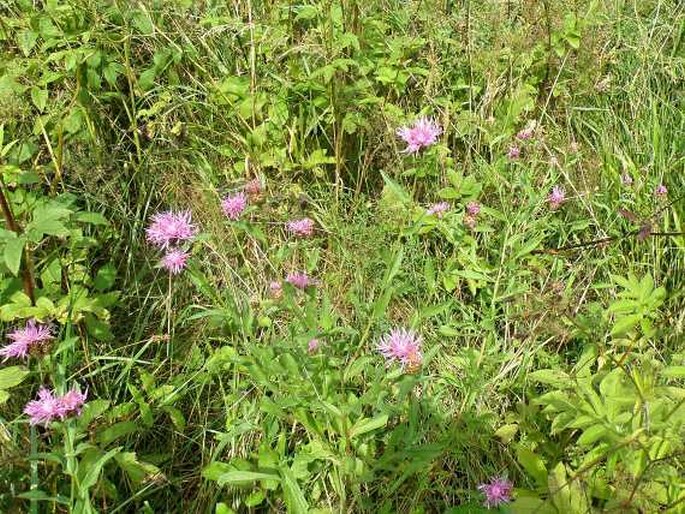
(342, 256)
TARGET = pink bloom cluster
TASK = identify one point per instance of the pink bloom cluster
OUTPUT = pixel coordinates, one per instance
(472, 211)
(313, 345)
(254, 187)
(234, 205)
(422, 134)
(661, 191)
(50, 406)
(556, 197)
(24, 339)
(403, 346)
(167, 230)
(497, 492)
(175, 260)
(171, 228)
(301, 228)
(514, 152)
(438, 209)
(300, 280)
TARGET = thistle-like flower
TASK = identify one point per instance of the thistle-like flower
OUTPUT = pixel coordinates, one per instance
(24, 339)
(422, 134)
(497, 492)
(300, 280)
(661, 191)
(301, 228)
(234, 205)
(175, 261)
(403, 346)
(514, 152)
(556, 197)
(50, 406)
(169, 228)
(438, 209)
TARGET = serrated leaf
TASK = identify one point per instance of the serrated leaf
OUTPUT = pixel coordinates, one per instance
(533, 464)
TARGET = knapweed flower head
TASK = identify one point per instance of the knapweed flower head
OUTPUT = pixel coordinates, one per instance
(514, 152)
(313, 345)
(626, 179)
(497, 492)
(24, 339)
(473, 209)
(422, 134)
(169, 228)
(254, 187)
(175, 261)
(438, 209)
(402, 346)
(234, 205)
(50, 406)
(528, 132)
(275, 289)
(661, 191)
(300, 280)
(556, 197)
(301, 228)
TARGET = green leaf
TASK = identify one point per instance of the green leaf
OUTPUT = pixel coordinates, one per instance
(236, 477)
(94, 218)
(592, 434)
(12, 376)
(674, 372)
(553, 377)
(39, 97)
(14, 249)
(92, 472)
(116, 431)
(294, 498)
(136, 470)
(625, 324)
(365, 425)
(533, 464)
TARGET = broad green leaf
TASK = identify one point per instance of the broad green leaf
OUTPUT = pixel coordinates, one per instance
(674, 372)
(12, 376)
(294, 497)
(365, 425)
(237, 477)
(533, 464)
(92, 472)
(553, 377)
(39, 97)
(14, 249)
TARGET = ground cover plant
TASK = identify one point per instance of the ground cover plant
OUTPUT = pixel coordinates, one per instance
(342, 256)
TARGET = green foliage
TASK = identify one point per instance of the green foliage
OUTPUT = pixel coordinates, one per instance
(552, 338)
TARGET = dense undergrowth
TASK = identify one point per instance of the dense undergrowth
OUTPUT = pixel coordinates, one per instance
(532, 245)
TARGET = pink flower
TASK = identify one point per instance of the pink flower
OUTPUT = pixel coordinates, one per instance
(403, 346)
(473, 209)
(438, 209)
(313, 345)
(528, 132)
(556, 197)
(513, 152)
(23, 339)
(234, 205)
(72, 401)
(168, 228)
(254, 187)
(497, 492)
(301, 228)
(661, 191)
(175, 261)
(626, 179)
(49, 406)
(276, 289)
(422, 134)
(300, 280)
